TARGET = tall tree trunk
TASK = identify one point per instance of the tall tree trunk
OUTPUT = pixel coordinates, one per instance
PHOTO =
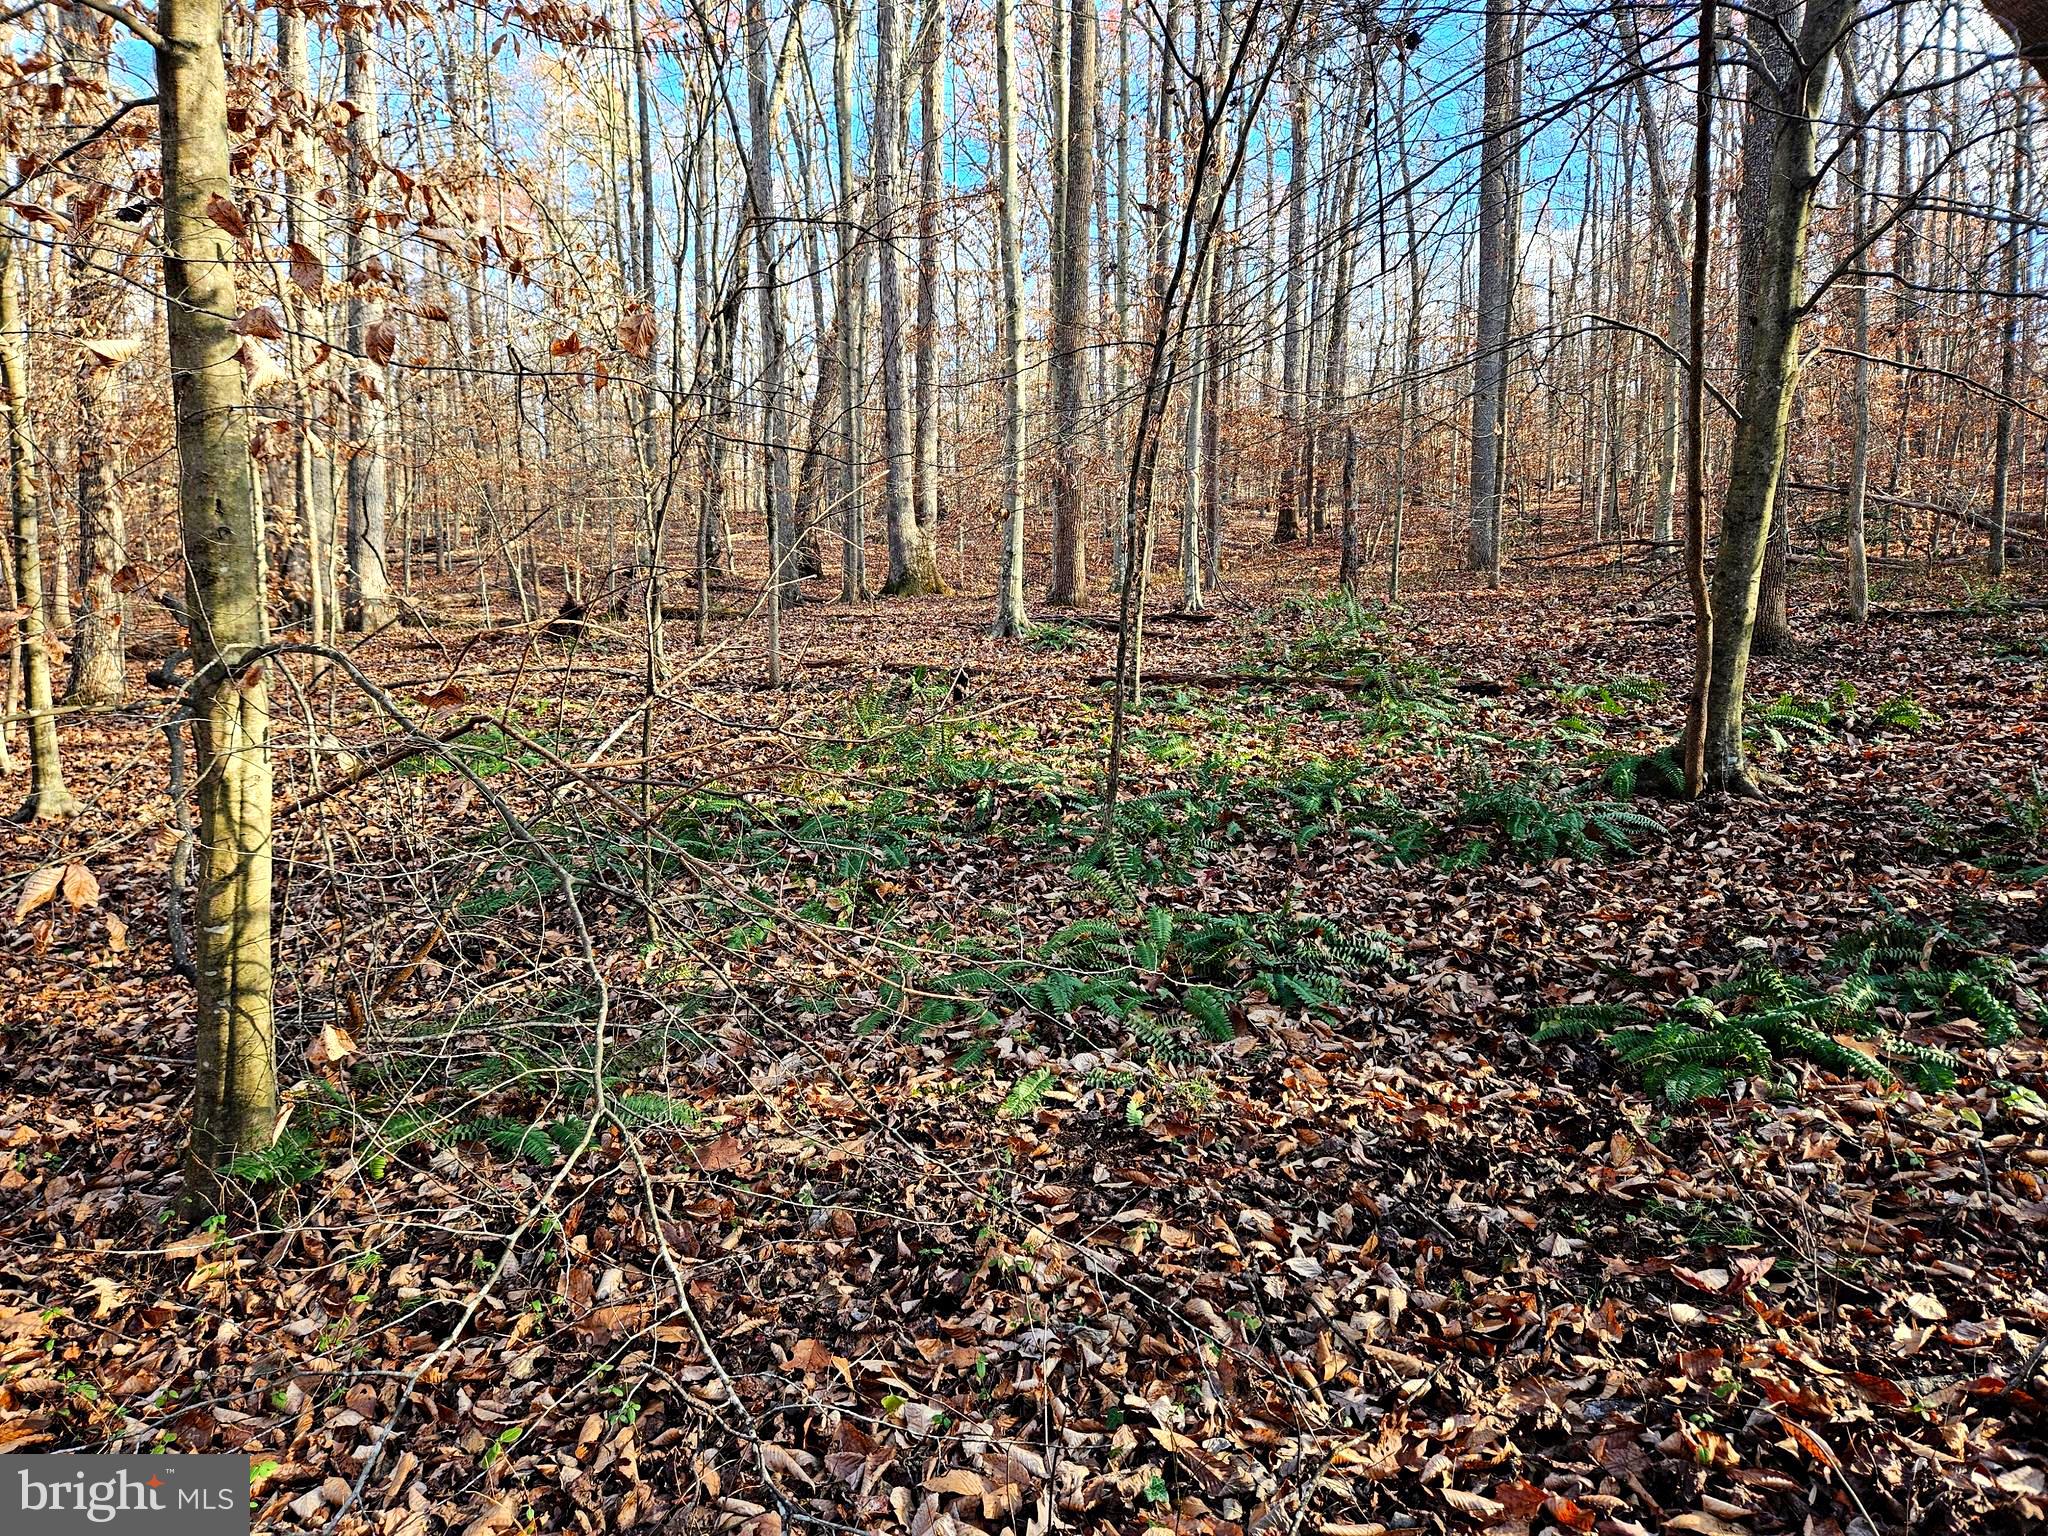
(48, 799)
(1010, 618)
(853, 581)
(234, 1105)
(767, 226)
(369, 486)
(98, 656)
(1293, 356)
(2008, 339)
(1770, 65)
(1857, 557)
(1490, 339)
(308, 562)
(913, 569)
(1769, 353)
(932, 138)
(1693, 747)
(1196, 363)
(1070, 372)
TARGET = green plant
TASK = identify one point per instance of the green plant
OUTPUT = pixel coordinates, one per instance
(1751, 1023)
(1628, 774)
(1054, 637)
(1168, 978)
(1536, 825)
(1027, 1094)
(1788, 715)
(1901, 713)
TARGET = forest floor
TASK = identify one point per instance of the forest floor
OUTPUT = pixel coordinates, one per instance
(870, 1143)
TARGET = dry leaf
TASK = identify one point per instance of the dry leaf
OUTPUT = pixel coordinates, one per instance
(226, 215)
(81, 886)
(111, 351)
(40, 887)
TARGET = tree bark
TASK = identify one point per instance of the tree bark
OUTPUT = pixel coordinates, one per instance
(1771, 64)
(98, 655)
(1076, 183)
(1293, 356)
(234, 1108)
(1490, 339)
(931, 86)
(1011, 619)
(2008, 340)
(369, 485)
(1857, 557)
(48, 799)
(1768, 372)
(913, 569)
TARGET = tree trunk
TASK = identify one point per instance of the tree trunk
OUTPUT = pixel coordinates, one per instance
(767, 231)
(1011, 620)
(98, 656)
(308, 562)
(1770, 65)
(926, 391)
(1076, 183)
(2008, 340)
(1857, 557)
(48, 799)
(234, 1107)
(913, 569)
(1293, 361)
(1490, 339)
(369, 487)
(1769, 353)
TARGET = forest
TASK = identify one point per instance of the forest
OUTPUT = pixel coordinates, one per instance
(1226, 767)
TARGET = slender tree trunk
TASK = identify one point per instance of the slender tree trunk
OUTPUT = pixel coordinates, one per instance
(2008, 340)
(1770, 325)
(1857, 572)
(1348, 554)
(1490, 341)
(1770, 65)
(853, 581)
(1692, 749)
(913, 569)
(369, 486)
(1070, 372)
(1293, 358)
(1010, 618)
(932, 136)
(48, 799)
(309, 559)
(98, 655)
(234, 1108)
(767, 226)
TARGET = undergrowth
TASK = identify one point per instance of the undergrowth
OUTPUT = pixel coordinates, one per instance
(1852, 1024)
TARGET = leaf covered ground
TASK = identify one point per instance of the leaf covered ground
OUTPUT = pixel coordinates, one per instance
(797, 1112)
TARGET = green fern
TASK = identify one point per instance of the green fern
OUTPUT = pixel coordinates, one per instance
(1026, 1094)
(1762, 1016)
